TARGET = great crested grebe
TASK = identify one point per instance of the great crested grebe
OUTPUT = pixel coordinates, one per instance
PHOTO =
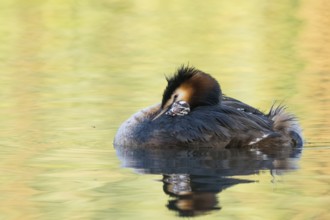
(194, 112)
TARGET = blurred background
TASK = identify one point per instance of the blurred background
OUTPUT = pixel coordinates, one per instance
(72, 71)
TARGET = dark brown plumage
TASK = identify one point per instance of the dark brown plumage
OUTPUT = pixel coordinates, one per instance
(214, 119)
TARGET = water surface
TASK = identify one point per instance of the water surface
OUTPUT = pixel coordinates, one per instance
(73, 71)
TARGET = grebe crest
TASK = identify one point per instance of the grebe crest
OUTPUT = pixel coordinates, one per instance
(193, 88)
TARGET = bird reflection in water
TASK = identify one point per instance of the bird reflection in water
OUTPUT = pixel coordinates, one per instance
(195, 195)
(194, 177)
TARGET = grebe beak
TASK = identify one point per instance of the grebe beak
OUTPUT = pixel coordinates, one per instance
(162, 112)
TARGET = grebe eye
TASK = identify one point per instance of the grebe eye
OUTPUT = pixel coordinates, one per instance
(175, 96)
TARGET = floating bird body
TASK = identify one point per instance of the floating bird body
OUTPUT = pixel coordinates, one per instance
(194, 112)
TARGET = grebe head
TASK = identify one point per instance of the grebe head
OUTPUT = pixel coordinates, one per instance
(190, 88)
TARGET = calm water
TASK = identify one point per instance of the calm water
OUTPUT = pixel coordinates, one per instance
(72, 71)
